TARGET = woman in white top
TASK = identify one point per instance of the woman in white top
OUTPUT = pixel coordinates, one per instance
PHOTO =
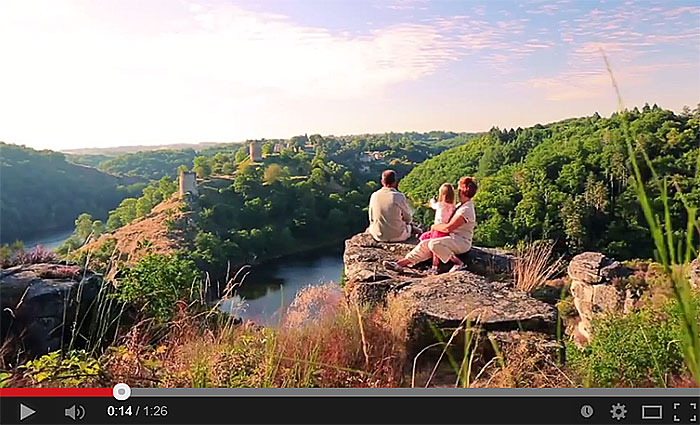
(460, 230)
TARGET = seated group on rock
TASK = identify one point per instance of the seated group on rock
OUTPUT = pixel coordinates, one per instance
(390, 218)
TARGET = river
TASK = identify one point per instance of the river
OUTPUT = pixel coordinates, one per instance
(269, 289)
(50, 241)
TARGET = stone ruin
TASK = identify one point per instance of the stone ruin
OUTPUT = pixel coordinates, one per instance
(255, 151)
(188, 183)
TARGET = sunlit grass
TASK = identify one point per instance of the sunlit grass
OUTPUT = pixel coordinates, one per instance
(674, 253)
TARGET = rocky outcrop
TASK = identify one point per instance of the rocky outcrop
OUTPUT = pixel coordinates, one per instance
(595, 268)
(41, 302)
(444, 300)
(363, 258)
(595, 290)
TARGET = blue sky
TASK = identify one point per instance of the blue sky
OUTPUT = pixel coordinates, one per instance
(79, 73)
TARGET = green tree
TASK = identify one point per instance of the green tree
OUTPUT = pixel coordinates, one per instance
(202, 166)
(157, 282)
(273, 172)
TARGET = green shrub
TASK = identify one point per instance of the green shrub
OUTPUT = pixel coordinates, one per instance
(72, 369)
(157, 282)
(638, 349)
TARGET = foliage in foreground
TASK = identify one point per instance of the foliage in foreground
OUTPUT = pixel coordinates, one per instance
(157, 282)
(323, 342)
(675, 249)
(641, 348)
(15, 253)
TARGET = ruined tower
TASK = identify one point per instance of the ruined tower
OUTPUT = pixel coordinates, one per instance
(188, 183)
(255, 151)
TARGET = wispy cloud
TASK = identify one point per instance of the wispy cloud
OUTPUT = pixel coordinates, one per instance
(591, 84)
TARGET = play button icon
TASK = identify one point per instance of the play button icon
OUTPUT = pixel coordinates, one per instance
(25, 412)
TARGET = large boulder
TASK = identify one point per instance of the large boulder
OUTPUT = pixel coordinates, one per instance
(595, 292)
(41, 303)
(443, 301)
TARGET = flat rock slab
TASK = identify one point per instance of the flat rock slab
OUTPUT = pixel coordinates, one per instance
(446, 300)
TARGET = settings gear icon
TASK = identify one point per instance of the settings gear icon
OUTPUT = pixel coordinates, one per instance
(618, 411)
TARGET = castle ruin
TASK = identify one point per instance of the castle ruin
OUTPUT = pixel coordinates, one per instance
(188, 183)
(255, 151)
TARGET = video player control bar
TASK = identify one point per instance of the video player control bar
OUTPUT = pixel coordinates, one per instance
(123, 405)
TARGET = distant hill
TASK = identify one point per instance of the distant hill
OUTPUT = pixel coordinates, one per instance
(119, 150)
(41, 192)
(570, 180)
(151, 164)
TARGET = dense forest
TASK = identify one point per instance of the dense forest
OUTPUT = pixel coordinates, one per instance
(569, 181)
(41, 192)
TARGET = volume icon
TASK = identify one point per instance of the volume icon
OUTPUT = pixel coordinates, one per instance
(75, 412)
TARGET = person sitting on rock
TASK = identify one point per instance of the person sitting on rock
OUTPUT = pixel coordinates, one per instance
(460, 230)
(444, 208)
(389, 212)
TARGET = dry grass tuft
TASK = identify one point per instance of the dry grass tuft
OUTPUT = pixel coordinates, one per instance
(523, 363)
(534, 266)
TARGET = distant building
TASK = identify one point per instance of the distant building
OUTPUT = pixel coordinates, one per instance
(188, 183)
(372, 156)
(278, 148)
(255, 151)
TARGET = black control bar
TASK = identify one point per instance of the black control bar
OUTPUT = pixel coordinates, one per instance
(356, 409)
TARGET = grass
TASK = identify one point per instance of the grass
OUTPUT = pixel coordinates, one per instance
(324, 341)
(534, 266)
(639, 349)
(673, 252)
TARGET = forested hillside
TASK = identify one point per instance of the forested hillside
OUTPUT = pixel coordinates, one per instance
(41, 192)
(150, 164)
(570, 180)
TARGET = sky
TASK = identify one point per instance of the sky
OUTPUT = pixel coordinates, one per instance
(84, 73)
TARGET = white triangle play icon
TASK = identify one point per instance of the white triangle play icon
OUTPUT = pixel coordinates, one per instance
(25, 412)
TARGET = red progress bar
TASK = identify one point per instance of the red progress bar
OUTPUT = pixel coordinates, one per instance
(55, 392)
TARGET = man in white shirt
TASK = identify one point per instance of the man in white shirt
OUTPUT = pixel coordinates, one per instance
(389, 212)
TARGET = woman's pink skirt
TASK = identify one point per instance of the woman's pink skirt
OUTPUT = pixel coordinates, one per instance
(432, 234)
